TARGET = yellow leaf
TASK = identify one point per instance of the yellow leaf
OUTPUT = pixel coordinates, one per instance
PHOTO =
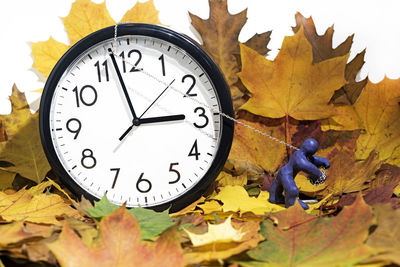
(84, 18)
(6, 179)
(345, 119)
(225, 179)
(19, 231)
(24, 150)
(291, 85)
(142, 12)
(20, 113)
(217, 233)
(222, 250)
(46, 54)
(253, 153)
(381, 121)
(236, 199)
(34, 206)
(396, 190)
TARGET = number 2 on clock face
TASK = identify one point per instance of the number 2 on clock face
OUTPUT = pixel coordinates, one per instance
(156, 161)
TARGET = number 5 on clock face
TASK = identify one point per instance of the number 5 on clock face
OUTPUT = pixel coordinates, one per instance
(137, 118)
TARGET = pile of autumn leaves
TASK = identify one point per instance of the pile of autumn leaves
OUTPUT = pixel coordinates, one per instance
(308, 90)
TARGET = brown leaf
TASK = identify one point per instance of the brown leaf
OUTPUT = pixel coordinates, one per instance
(220, 39)
(304, 240)
(321, 44)
(259, 42)
(119, 244)
(350, 92)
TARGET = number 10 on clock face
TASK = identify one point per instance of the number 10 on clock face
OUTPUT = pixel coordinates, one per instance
(130, 118)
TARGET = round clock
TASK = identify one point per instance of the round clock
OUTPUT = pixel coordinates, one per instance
(137, 117)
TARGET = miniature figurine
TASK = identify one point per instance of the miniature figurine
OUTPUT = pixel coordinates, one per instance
(301, 160)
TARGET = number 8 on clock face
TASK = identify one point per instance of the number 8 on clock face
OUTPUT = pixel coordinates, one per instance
(137, 117)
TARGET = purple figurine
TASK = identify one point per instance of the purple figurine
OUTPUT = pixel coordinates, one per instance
(301, 160)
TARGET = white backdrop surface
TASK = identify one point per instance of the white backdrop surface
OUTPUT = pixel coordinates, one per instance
(376, 25)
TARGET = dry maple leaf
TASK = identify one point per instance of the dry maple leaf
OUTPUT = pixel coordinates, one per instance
(223, 240)
(22, 150)
(217, 233)
(236, 199)
(322, 50)
(346, 174)
(19, 231)
(84, 18)
(220, 40)
(119, 244)
(379, 109)
(33, 205)
(254, 153)
(291, 85)
(303, 240)
(386, 236)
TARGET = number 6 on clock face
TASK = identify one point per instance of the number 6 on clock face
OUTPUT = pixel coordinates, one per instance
(137, 117)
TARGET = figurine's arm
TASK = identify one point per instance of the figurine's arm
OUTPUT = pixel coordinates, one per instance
(319, 161)
(308, 167)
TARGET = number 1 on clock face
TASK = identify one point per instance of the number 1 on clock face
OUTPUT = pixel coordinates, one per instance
(161, 155)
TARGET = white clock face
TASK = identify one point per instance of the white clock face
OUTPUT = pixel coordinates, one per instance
(146, 163)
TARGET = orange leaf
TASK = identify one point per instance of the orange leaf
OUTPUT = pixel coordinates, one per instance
(291, 85)
(119, 245)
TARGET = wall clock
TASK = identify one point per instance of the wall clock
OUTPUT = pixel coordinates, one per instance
(137, 117)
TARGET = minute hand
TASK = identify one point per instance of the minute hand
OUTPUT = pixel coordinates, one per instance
(122, 84)
(162, 119)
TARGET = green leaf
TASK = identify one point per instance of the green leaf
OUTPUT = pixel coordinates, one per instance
(151, 223)
(102, 208)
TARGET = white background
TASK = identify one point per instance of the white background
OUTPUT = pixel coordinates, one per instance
(376, 25)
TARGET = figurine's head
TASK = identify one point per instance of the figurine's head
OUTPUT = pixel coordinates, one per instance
(309, 146)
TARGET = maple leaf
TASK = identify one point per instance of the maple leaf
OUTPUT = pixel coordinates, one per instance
(220, 40)
(217, 233)
(18, 231)
(225, 179)
(346, 174)
(22, 150)
(222, 241)
(34, 206)
(291, 85)
(253, 153)
(151, 223)
(380, 118)
(236, 199)
(299, 240)
(386, 235)
(322, 50)
(84, 18)
(119, 244)
(6, 179)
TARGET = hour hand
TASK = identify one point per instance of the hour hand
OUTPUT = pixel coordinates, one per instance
(162, 119)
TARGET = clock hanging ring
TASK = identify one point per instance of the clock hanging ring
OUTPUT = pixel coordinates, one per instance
(137, 116)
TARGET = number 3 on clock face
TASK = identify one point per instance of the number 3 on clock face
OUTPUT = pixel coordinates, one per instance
(137, 118)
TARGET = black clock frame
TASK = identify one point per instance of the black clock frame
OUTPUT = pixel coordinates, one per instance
(181, 41)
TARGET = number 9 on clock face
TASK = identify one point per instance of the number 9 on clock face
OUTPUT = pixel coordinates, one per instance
(136, 117)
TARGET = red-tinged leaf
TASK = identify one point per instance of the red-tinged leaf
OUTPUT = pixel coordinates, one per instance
(119, 245)
(304, 240)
